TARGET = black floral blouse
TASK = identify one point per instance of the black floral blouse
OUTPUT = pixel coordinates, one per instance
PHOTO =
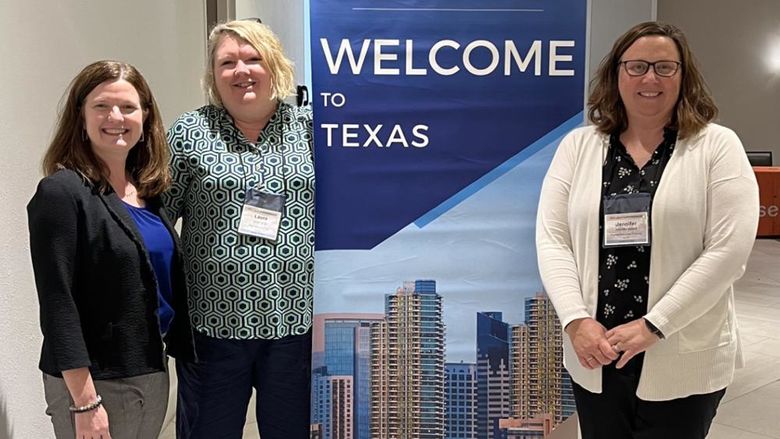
(624, 271)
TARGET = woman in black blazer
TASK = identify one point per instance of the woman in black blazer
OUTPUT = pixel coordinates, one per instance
(107, 264)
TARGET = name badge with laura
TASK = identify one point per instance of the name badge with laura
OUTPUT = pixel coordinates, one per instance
(627, 220)
(261, 214)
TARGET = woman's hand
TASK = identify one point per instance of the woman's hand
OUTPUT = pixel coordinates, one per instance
(92, 424)
(630, 339)
(590, 343)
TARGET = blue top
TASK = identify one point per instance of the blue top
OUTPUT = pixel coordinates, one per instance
(159, 246)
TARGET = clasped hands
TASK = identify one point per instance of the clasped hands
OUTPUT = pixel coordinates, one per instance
(596, 346)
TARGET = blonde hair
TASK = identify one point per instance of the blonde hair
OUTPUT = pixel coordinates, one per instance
(262, 39)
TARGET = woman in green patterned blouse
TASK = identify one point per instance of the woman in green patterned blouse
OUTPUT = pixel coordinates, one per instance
(244, 188)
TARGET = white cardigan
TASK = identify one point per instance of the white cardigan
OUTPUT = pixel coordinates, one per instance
(704, 217)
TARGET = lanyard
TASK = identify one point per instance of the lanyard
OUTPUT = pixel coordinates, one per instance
(261, 158)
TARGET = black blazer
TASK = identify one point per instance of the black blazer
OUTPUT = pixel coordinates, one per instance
(96, 286)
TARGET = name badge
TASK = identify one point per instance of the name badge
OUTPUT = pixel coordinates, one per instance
(261, 214)
(627, 220)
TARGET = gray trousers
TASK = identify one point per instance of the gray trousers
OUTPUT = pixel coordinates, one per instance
(135, 406)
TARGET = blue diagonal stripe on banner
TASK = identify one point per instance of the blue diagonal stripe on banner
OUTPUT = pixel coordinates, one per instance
(500, 170)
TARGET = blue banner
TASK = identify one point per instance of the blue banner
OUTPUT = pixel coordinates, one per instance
(435, 122)
(415, 101)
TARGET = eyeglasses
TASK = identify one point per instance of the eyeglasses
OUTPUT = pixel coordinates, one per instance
(638, 67)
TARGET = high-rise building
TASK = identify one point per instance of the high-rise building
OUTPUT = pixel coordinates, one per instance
(407, 359)
(341, 419)
(568, 406)
(520, 371)
(460, 385)
(540, 384)
(341, 347)
(332, 407)
(493, 381)
(320, 402)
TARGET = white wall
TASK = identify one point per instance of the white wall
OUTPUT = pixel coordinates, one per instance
(44, 44)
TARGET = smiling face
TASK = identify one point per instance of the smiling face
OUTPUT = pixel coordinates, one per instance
(113, 119)
(650, 96)
(241, 79)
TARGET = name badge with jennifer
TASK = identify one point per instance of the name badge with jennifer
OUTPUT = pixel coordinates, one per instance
(627, 220)
(261, 214)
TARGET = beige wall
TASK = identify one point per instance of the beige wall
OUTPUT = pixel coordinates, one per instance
(43, 45)
(733, 41)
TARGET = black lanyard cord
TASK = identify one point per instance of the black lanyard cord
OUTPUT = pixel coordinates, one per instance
(261, 159)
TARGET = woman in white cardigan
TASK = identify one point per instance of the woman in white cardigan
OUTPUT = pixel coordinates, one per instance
(646, 220)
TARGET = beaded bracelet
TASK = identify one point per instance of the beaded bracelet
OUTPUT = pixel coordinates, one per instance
(89, 407)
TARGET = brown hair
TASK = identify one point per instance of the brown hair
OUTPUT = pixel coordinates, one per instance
(267, 44)
(147, 161)
(695, 106)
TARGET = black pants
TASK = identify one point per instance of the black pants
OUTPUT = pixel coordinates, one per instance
(215, 392)
(617, 413)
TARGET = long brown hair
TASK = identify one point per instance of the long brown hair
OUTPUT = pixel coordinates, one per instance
(695, 106)
(147, 161)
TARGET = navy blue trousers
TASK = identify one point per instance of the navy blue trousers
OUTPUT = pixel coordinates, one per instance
(617, 413)
(214, 393)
